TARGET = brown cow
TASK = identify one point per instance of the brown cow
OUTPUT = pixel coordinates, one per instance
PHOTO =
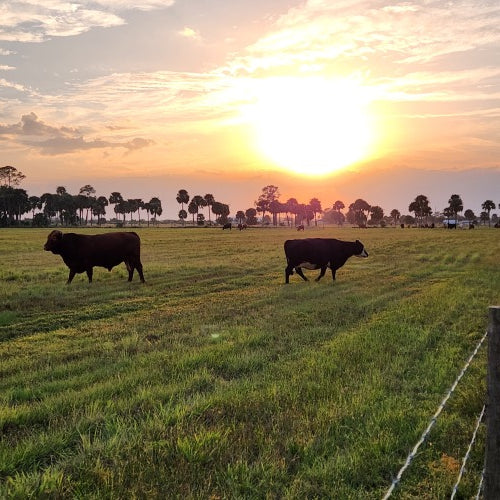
(82, 252)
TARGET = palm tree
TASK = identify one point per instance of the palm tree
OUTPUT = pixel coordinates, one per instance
(251, 215)
(209, 198)
(240, 216)
(193, 208)
(182, 197)
(359, 207)
(35, 203)
(182, 215)
(469, 215)
(488, 206)
(293, 206)
(99, 208)
(115, 199)
(155, 207)
(315, 205)
(456, 205)
(87, 191)
(395, 214)
(377, 214)
(421, 207)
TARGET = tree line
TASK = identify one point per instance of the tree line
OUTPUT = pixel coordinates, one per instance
(79, 209)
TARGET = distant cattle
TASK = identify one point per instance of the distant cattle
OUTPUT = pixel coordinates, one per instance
(300, 227)
(242, 226)
(81, 253)
(451, 226)
(319, 253)
(227, 226)
(402, 226)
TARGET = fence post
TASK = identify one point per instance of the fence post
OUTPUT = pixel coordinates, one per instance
(492, 459)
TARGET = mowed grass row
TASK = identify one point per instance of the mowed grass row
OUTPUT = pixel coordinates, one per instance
(216, 380)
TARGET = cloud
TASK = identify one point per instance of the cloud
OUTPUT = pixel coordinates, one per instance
(30, 21)
(190, 33)
(50, 140)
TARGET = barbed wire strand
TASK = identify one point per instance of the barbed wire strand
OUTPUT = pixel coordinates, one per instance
(480, 487)
(466, 457)
(413, 452)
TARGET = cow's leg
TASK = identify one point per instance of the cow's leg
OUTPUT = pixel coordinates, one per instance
(130, 269)
(298, 270)
(333, 273)
(71, 276)
(90, 271)
(139, 270)
(288, 272)
(322, 273)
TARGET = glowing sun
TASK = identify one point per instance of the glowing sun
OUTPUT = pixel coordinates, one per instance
(311, 126)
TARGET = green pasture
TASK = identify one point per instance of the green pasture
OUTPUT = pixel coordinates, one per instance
(214, 380)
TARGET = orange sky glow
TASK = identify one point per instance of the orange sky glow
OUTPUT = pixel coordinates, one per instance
(335, 100)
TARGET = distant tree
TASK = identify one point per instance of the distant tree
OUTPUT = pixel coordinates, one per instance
(200, 219)
(155, 208)
(376, 214)
(268, 195)
(292, 205)
(420, 206)
(209, 198)
(240, 216)
(221, 210)
(99, 208)
(10, 176)
(469, 215)
(88, 192)
(275, 207)
(182, 198)
(193, 209)
(338, 205)
(115, 199)
(455, 205)
(251, 216)
(359, 207)
(13, 203)
(132, 207)
(483, 217)
(35, 204)
(408, 220)
(395, 214)
(316, 208)
(488, 206)
(49, 205)
(182, 215)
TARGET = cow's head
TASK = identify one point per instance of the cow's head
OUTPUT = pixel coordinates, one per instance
(53, 242)
(360, 250)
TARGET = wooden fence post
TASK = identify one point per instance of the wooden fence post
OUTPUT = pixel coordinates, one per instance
(492, 459)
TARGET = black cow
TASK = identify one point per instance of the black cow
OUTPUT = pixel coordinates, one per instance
(227, 226)
(300, 227)
(319, 253)
(82, 252)
(242, 226)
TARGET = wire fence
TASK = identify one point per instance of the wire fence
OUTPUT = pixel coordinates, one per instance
(431, 424)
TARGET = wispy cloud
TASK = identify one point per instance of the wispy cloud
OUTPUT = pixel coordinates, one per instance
(191, 33)
(52, 140)
(32, 21)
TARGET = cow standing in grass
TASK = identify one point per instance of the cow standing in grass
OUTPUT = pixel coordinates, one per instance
(319, 253)
(81, 253)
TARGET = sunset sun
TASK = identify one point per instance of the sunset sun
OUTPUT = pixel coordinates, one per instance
(311, 126)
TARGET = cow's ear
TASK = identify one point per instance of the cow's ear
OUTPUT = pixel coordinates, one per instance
(56, 235)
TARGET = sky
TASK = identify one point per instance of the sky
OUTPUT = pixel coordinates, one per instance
(335, 100)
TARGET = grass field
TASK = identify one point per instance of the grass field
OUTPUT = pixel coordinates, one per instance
(215, 380)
